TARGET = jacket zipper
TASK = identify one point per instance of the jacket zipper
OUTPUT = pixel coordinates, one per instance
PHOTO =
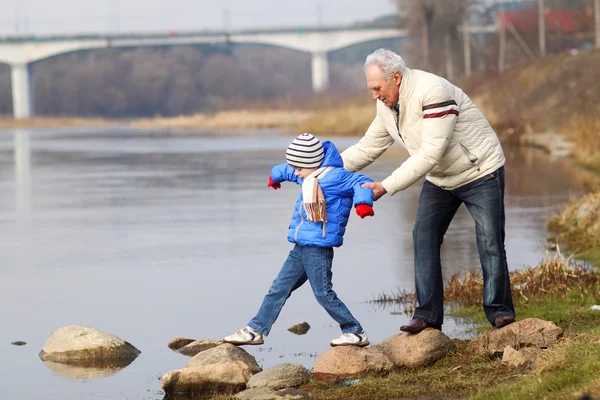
(473, 159)
(301, 222)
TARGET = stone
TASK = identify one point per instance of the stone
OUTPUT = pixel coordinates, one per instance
(198, 346)
(81, 345)
(417, 350)
(300, 328)
(348, 362)
(223, 354)
(206, 380)
(522, 358)
(281, 376)
(530, 332)
(264, 393)
(178, 342)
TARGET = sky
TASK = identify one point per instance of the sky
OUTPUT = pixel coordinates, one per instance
(111, 16)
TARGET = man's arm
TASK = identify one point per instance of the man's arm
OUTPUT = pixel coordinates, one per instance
(440, 112)
(375, 142)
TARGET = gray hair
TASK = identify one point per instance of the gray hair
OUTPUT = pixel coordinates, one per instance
(387, 61)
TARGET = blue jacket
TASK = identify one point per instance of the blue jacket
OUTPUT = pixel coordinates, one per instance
(340, 189)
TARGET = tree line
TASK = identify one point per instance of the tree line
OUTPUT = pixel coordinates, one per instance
(168, 81)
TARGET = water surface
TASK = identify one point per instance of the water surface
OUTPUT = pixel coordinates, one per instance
(149, 236)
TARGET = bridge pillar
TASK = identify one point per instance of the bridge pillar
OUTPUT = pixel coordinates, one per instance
(320, 71)
(22, 91)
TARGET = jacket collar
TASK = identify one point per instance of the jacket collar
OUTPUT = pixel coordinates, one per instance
(407, 86)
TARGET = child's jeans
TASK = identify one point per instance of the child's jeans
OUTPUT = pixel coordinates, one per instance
(304, 262)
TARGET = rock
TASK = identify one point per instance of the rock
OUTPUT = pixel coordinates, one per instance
(281, 376)
(348, 362)
(522, 358)
(264, 393)
(198, 346)
(223, 354)
(225, 378)
(179, 342)
(19, 343)
(417, 350)
(530, 332)
(80, 345)
(300, 328)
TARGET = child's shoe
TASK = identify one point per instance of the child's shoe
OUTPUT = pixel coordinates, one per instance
(245, 335)
(351, 339)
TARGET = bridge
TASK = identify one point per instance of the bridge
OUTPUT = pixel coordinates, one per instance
(21, 52)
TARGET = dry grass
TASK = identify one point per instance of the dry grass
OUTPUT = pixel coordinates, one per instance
(555, 276)
(252, 119)
(348, 119)
(578, 226)
(584, 131)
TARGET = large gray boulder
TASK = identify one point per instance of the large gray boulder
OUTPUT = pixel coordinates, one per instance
(281, 376)
(207, 380)
(417, 350)
(347, 362)
(223, 354)
(530, 332)
(81, 345)
(264, 393)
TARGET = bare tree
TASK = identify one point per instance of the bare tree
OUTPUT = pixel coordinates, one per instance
(436, 22)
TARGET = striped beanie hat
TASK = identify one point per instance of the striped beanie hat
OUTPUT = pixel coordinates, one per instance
(306, 151)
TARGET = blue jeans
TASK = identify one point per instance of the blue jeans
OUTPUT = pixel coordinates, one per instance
(304, 263)
(484, 198)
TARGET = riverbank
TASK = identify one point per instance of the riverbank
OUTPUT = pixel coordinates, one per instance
(7, 122)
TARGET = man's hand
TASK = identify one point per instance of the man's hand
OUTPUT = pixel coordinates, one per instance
(377, 188)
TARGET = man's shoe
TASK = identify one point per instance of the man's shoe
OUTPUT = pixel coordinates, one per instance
(416, 325)
(245, 336)
(351, 339)
(503, 320)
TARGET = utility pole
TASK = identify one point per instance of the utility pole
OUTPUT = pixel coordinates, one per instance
(467, 47)
(502, 51)
(597, 18)
(542, 27)
(448, 57)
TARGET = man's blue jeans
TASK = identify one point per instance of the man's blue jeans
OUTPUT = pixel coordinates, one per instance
(304, 263)
(484, 198)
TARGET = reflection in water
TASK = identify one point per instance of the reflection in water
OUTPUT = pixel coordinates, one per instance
(22, 175)
(89, 369)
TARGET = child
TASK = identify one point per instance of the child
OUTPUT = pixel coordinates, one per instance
(318, 224)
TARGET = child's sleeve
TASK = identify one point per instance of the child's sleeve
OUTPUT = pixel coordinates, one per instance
(351, 184)
(283, 172)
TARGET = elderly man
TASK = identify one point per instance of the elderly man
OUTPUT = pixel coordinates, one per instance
(452, 145)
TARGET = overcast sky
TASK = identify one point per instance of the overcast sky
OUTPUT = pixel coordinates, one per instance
(70, 16)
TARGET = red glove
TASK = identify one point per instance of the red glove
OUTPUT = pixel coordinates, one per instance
(364, 210)
(273, 185)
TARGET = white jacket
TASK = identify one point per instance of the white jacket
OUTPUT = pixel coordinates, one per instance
(448, 138)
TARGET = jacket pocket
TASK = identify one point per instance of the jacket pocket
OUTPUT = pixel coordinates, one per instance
(473, 159)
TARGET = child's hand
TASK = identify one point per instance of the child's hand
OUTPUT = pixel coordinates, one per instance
(273, 185)
(364, 210)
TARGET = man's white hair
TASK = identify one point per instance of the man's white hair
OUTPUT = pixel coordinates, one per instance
(387, 61)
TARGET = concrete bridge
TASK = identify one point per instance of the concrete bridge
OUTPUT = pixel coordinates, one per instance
(21, 52)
